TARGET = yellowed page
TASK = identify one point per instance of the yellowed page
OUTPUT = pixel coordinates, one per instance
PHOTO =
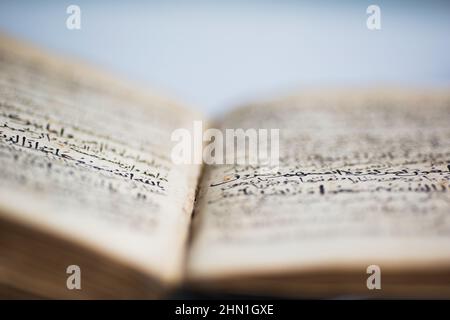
(87, 158)
(363, 179)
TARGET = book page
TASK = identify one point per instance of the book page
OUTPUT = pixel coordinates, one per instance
(87, 158)
(364, 178)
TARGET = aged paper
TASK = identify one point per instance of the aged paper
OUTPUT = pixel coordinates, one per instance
(363, 179)
(87, 158)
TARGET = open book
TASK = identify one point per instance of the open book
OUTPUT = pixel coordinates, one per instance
(86, 179)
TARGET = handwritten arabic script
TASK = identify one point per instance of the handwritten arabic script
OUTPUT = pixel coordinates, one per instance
(373, 167)
(74, 143)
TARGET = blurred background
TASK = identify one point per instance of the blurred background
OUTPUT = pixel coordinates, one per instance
(217, 54)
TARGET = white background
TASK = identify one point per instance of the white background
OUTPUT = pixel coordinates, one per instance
(214, 55)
